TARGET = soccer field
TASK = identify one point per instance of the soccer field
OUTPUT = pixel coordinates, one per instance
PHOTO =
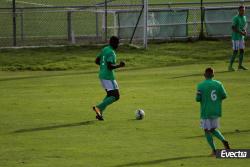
(46, 118)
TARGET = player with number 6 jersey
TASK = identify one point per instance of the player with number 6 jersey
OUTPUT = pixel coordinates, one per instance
(210, 94)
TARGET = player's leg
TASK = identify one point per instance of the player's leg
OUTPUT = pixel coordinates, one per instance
(98, 113)
(210, 140)
(106, 95)
(219, 135)
(241, 56)
(112, 96)
(207, 125)
(98, 110)
(235, 46)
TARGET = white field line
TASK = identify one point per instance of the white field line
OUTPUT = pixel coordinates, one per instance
(38, 4)
(31, 3)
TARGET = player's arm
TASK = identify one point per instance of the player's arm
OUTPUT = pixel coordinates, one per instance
(198, 94)
(223, 93)
(112, 66)
(236, 29)
(245, 30)
(98, 59)
(111, 62)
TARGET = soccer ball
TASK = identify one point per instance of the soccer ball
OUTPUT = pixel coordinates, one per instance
(139, 114)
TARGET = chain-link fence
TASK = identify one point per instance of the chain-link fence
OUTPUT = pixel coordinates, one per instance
(61, 22)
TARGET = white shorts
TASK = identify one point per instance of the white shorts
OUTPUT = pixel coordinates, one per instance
(238, 44)
(210, 123)
(109, 84)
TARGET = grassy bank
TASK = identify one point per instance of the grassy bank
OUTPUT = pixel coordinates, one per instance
(82, 57)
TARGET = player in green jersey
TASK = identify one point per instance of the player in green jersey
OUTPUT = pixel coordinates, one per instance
(210, 94)
(107, 62)
(238, 35)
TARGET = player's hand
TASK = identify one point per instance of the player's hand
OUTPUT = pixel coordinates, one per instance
(198, 92)
(244, 32)
(122, 64)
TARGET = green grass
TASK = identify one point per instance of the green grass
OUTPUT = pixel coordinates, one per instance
(46, 118)
(81, 58)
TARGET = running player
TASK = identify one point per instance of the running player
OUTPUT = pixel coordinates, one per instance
(107, 62)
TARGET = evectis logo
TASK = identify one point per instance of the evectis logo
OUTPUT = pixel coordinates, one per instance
(242, 153)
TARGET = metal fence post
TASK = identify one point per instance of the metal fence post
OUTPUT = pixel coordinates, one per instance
(201, 36)
(97, 23)
(69, 22)
(14, 21)
(145, 24)
(106, 21)
(22, 24)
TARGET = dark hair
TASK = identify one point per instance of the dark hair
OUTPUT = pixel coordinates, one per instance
(241, 7)
(209, 72)
(114, 41)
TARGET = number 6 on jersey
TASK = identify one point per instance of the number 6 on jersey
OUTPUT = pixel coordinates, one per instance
(213, 95)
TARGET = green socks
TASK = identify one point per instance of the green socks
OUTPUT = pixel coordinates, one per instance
(233, 58)
(218, 134)
(106, 101)
(209, 137)
(210, 141)
(241, 58)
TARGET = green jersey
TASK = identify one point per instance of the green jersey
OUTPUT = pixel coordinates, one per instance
(240, 23)
(107, 55)
(210, 94)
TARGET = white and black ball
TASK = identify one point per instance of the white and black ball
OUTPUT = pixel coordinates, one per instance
(139, 114)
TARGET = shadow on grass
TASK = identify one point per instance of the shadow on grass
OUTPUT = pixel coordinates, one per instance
(197, 74)
(237, 131)
(46, 76)
(134, 120)
(94, 72)
(55, 127)
(153, 162)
